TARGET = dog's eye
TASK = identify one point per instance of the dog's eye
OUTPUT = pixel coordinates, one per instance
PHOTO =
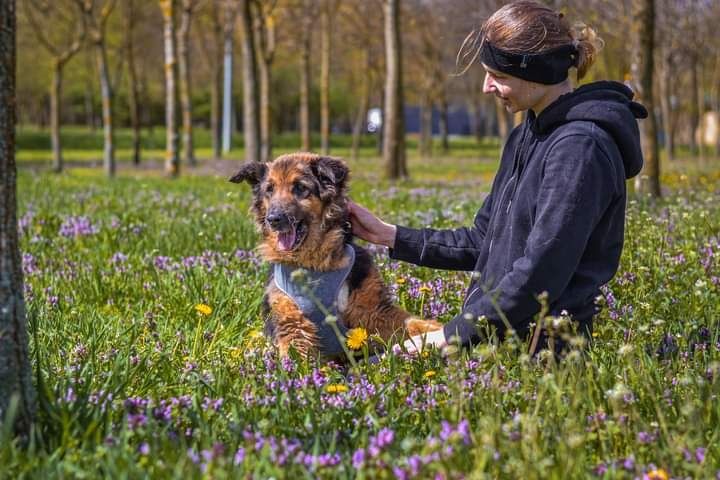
(269, 189)
(300, 190)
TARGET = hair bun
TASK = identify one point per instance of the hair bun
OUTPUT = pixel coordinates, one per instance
(588, 44)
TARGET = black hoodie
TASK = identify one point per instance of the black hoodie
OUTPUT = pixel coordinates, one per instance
(554, 219)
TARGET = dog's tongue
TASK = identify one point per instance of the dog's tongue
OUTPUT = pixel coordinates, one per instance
(286, 240)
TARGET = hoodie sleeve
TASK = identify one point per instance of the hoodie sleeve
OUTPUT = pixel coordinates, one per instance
(455, 249)
(579, 183)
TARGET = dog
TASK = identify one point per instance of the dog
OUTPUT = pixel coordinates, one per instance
(300, 208)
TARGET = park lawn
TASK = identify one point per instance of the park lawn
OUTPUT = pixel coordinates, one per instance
(136, 377)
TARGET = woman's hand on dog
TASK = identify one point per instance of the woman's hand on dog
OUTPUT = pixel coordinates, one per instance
(367, 226)
(416, 344)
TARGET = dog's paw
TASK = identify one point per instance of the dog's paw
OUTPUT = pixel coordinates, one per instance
(417, 326)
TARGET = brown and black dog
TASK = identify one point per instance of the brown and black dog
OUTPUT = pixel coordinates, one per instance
(300, 207)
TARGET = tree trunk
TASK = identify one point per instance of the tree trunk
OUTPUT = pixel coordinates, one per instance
(89, 95)
(648, 182)
(55, 95)
(666, 106)
(444, 126)
(216, 67)
(425, 140)
(251, 116)
(359, 124)
(133, 87)
(17, 397)
(265, 43)
(184, 76)
(305, 142)
(215, 121)
(393, 121)
(227, 85)
(694, 104)
(325, 79)
(265, 117)
(172, 157)
(107, 106)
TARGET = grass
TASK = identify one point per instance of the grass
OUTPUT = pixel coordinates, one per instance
(133, 381)
(82, 146)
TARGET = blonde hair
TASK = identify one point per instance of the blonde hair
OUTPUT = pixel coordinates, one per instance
(527, 26)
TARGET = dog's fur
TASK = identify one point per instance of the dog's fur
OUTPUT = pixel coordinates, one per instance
(307, 193)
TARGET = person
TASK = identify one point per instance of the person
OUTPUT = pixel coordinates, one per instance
(553, 221)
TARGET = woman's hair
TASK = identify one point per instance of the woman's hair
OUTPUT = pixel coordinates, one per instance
(527, 26)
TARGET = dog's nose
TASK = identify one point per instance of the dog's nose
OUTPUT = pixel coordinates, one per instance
(276, 220)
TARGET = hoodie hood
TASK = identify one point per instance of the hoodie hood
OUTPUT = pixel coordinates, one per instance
(607, 104)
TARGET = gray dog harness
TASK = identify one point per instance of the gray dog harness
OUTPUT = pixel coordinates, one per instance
(316, 294)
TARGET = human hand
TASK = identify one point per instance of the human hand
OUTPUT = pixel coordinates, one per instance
(418, 343)
(367, 226)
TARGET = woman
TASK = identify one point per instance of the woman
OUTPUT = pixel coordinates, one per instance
(554, 219)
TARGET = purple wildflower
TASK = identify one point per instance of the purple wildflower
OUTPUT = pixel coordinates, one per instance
(73, 227)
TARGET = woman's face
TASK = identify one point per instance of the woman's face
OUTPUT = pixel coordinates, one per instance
(515, 93)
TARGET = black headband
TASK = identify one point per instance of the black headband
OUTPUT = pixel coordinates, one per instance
(548, 67)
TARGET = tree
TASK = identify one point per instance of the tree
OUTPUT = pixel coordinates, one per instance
(212, 44)
(131, 18)
(649, 180)
(183, 47)
(95, 17)
(172, 156)
(16, 392)
(230, 11)
(264, 28)
(56, 28)
(307, 18)
(327, 14)
(393, 122)
(251, 95)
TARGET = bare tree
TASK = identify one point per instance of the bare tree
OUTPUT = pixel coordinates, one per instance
(251, 94)
(172, 156)
(308, 14)
(131, 18)
(96, 14)
(229, 14)
(212, 43)
(649, 180)
(183, 44)
(47, 18)
(264, 28)
(360, 69)
(327, 14)
(393, 121)
(17, 397)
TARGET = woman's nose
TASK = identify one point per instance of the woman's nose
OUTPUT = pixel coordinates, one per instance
(489, 85)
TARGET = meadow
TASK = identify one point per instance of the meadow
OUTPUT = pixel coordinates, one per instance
(144, 306)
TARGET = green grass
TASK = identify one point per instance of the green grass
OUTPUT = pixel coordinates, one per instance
(84, 146)
(136, 383)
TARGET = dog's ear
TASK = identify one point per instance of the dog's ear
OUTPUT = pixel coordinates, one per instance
(251, 172)
(332, 174)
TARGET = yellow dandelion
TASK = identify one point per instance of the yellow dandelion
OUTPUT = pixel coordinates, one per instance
(336, 388)
(658, 474)
(425, 289)
(235, 353)
(356, 338)
(400, 280)
(429, 373)
(203, 309)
